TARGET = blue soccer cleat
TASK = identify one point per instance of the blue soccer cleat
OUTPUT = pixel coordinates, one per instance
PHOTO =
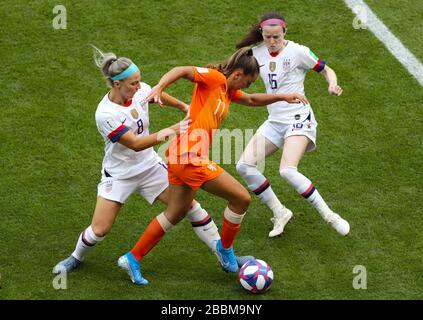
(67, 265)
(131, 265)
(241, 260)
(226, 257)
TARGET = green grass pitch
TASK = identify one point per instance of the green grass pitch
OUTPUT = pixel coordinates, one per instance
(368, 164)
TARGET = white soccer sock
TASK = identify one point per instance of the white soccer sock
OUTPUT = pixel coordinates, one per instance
(233, 217)
(203, 225)
(258, 184)
(164, 222)
(269, 198)
(306, 188)
(86, 241)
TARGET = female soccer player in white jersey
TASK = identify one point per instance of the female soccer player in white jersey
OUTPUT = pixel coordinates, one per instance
(130, 163)
(284, 65)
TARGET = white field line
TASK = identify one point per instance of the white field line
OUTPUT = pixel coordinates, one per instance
(394, 45)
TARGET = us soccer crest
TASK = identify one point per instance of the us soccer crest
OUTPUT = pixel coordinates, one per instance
(286, 64)
(272, 66)
(134, 113)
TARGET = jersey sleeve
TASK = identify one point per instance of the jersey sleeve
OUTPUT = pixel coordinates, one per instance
(109, 127)
(236, 95)
(309, 60)
(208, 77)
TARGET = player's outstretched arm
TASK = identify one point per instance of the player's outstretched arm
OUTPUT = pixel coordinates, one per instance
(138, 143)
(169, 78)
(170, 101)
(263, 99)
(332, 80)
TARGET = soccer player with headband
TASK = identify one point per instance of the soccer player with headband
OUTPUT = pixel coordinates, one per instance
(130, 164)
(290, 127)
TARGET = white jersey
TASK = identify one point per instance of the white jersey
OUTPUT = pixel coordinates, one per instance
(285, 73)
(113, 121)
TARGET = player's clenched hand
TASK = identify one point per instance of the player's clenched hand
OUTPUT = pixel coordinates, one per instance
(182, 126)
(295, 98)
(178, 128)
(335, 90)
(185, 108)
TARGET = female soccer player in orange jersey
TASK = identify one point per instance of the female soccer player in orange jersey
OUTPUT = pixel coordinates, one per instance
(130, 164)
(189, 167)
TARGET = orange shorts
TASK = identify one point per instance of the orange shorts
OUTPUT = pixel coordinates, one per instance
(193, 175)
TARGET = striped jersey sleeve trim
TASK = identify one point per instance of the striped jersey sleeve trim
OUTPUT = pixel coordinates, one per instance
(319, 65)
(117, 133)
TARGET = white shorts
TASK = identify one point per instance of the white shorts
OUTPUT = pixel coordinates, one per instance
(277, 132)
(149, 184)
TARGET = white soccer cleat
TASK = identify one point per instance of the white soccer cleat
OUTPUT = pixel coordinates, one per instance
(340, 225)
(280, 223)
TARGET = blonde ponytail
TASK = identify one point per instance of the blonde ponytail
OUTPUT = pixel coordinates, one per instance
(109, 64)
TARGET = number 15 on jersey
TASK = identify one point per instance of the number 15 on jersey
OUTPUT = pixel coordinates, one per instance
(272, 81)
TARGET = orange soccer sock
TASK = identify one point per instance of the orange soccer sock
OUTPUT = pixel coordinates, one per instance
(229, 232)
(151, 236)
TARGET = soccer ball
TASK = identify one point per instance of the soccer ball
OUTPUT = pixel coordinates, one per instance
(256, 276)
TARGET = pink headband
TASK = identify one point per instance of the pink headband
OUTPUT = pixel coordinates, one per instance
(273, 22)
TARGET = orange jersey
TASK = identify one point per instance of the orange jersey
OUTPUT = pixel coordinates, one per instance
(209, 107)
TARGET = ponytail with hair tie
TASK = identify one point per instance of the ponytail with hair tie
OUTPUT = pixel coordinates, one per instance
(243, 59)
(106, 63)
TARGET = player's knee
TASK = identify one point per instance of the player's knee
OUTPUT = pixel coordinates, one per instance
(175, 215)
(288, 173)
(244, 200)
(101, 229)
(244, 168)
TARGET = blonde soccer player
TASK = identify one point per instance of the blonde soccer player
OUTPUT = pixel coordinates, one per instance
(130, 164)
